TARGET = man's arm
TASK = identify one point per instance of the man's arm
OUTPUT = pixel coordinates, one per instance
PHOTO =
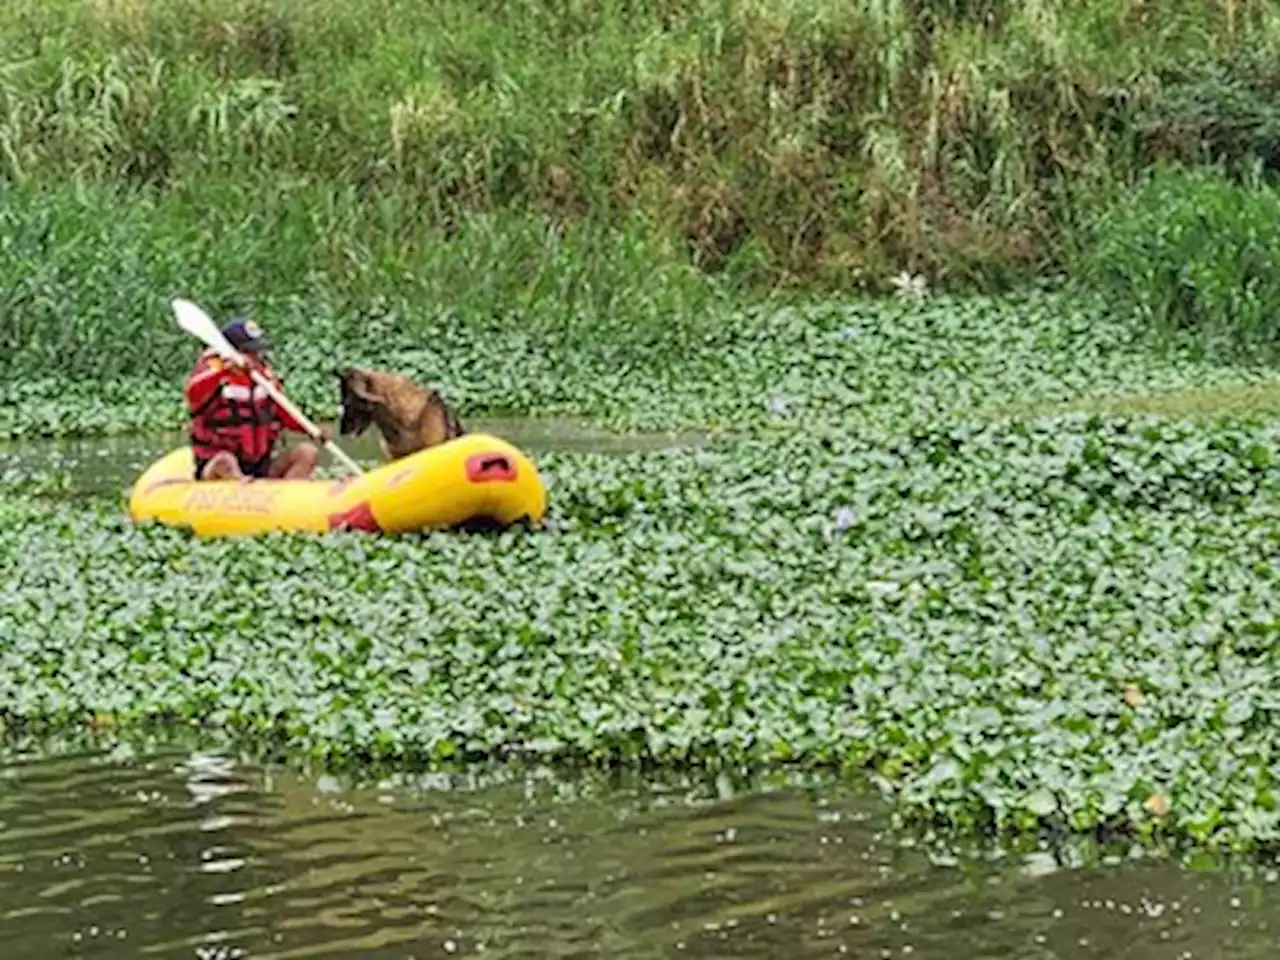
(204, 383)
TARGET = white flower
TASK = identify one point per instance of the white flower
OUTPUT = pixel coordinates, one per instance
(910, 285)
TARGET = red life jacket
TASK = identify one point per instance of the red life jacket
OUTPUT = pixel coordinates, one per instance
(230, 412)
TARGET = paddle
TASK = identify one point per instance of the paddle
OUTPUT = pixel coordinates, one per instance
(199, 324)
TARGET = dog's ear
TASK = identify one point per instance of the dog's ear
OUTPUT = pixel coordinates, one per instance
(360, 385)
(356, 413)
(456, 429)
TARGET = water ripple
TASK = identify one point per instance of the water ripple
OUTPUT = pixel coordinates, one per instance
(195, 855)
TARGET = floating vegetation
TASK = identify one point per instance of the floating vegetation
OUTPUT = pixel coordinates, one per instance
(1012, 621)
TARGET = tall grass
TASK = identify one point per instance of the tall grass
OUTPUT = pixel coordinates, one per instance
(86, 273)
(819, 142)
(1196, 255)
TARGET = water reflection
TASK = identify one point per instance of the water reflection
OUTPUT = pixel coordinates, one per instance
(197, 855)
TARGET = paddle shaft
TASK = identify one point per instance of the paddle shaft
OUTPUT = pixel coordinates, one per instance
(298, 415)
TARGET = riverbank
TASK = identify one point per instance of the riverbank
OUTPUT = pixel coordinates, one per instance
(551, 213)
(829, 143)
(445, 176)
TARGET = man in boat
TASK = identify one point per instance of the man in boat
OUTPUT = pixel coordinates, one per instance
(235, 424)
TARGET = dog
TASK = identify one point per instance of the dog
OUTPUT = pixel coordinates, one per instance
(408, 416)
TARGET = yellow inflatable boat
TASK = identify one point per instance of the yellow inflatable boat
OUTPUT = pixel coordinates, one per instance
(473, 479)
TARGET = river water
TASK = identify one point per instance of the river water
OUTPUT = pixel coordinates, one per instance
(168, 852)
(174, 851)
(90, 467)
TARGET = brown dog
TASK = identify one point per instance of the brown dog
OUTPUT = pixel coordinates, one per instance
(409, 417)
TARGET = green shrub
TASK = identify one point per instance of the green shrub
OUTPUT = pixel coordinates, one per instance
(1197, 255)
(1222, 113)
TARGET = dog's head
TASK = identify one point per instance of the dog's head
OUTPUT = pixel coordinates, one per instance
(410, 417)
(359, 400)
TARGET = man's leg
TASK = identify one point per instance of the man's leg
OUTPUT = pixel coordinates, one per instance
(223, 466)
(296, 464)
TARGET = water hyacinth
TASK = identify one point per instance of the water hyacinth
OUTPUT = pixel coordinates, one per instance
(971, 636)
(820, 364)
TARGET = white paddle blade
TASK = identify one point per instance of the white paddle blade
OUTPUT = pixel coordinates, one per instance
(200, 325)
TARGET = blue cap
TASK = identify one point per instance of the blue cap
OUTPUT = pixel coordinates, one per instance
(243, 334)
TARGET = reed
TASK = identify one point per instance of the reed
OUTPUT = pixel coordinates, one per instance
(86, 273)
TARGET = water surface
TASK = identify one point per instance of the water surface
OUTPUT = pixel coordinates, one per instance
(110, 465)
(197, 854)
